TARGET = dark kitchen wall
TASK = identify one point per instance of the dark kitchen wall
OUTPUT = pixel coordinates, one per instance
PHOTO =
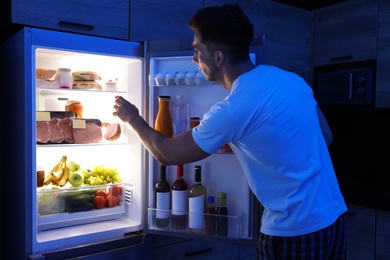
(361, 154)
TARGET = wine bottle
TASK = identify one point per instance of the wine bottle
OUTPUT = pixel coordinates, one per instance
(163, 121)
(180, 115)
(163, 199)
(222, 211)
(197, 203)
(180, 201)
(210, 217)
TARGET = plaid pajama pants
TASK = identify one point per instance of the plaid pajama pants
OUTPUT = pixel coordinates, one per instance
(328, 243)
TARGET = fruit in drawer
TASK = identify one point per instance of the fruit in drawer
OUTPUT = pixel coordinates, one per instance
(99, 202)
(76, 178)
(74, 166)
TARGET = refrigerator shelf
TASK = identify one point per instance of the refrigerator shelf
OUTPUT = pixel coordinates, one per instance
(235, 224)
(55, 91)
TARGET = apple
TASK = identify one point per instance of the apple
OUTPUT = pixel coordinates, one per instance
(73, 166)
(76, 178)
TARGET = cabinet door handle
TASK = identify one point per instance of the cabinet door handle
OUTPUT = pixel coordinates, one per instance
(76, 25)
(199, 252)
(341, 58)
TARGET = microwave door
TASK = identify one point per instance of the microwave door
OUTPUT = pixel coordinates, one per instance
(335, 87)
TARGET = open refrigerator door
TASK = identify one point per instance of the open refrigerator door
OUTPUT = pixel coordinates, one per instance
(175, 74)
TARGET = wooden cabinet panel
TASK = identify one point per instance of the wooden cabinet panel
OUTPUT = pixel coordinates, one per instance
(106, 18)
(165, 247)
(360, 232)
(383, 57)
(383, 235)
(162, 20)
(345, 32)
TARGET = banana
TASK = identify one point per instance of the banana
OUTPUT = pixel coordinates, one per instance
(58, 170)
(47, 180)
(65, 175)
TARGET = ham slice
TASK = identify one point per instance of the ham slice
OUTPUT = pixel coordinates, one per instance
(57, 135)
(43, 132)
(66, 126)
(92, 133)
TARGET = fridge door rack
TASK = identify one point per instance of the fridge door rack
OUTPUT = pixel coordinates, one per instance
(235, 224)
(55, 206)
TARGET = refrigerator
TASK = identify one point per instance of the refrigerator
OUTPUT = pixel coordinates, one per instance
(121, 68)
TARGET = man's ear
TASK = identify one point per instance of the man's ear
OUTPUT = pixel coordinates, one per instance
(218, 58)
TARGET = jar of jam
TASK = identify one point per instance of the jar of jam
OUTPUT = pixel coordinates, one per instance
(75, 106)
(64, 78)
(194, 121)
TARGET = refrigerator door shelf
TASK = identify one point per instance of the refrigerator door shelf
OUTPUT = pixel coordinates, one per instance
(235, 224)
(56, 208)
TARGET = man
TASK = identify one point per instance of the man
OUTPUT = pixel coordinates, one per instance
(274, 127)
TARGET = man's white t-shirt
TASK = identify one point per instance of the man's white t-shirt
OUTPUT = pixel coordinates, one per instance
(270, 121)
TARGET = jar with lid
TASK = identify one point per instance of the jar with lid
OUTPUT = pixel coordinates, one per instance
(75, 106)
(64, 78)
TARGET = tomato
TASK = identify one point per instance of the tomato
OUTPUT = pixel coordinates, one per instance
(99, 202)
(115, 190)
(102, 193)
(112, 201)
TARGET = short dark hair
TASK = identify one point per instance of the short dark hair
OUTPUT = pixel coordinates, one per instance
(225, 27)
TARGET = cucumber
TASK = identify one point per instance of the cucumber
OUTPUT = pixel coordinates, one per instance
(81, 207)
(78, 199)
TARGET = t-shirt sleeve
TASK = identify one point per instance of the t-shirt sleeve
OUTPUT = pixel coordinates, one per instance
(216, 128)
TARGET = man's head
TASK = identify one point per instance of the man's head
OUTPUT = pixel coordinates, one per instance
(224, 28)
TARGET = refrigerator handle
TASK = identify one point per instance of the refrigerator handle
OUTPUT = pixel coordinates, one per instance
(85, 251)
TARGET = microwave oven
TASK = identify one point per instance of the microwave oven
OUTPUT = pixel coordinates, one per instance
(351, 86)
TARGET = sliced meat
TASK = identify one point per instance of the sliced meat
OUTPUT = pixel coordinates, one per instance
(43, 132)
(66, 126)
(92, 133)
(57, 135)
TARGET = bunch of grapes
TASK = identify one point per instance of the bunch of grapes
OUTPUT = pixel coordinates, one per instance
(101, 175)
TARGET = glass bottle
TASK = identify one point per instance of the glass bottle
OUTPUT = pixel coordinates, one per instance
(222, 211)
(180, 115)
(210, 217)
(180, 201)
(162, 199)
(194, 121)
(197, 203)
(64, 78)
(163, 122)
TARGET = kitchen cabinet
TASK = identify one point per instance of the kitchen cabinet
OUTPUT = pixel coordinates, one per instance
(368, 233)
(105, 18)
(161, 20)
(165, 247)
(383, 56)
(345, 32)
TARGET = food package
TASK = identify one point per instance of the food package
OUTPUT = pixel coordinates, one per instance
(86, 131)
(54, 127)
(86, 80)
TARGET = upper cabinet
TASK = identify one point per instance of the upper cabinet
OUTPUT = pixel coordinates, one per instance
(162, 20)
(105, 18)
(345, 32)
(383, 57)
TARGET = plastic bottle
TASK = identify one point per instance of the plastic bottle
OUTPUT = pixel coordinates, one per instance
(197, 203)
(163, 122)
(163, 199)
(222, 211)
(210, 217)
(180, 201)
(180, 115)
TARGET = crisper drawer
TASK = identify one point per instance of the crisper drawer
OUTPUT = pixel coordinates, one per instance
(232, 225)
(59, 208)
